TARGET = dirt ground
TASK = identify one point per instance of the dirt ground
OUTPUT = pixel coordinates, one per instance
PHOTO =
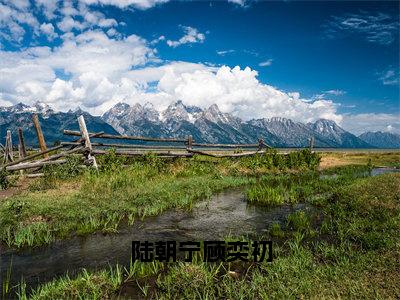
(18, 187)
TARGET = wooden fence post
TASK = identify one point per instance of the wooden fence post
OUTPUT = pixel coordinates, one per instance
(190, 142)
(311, 143)
(260, 144)
(10, 146)
(22, 149)
(39, 133)
(8, 150)
(88, 144)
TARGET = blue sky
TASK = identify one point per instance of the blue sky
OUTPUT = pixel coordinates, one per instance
(301, 60)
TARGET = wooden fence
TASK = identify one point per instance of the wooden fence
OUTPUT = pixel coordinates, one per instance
(92, 144)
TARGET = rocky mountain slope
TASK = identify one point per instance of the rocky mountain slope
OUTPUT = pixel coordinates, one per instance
(213, 126)
(381, 139)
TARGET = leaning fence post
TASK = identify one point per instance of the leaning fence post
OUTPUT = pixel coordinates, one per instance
(311, 143)
(21, 146)
(88, 144)
(39, 133)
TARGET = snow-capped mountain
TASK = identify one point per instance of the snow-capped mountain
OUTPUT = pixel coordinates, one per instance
(38, 107)
(53, 123)
(213, 126)
(208, 125)
(381, 139)
(337, 135)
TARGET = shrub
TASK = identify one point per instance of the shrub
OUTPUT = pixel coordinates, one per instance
(266, 195)
(276, 230)
(4, 182)
(299, 221)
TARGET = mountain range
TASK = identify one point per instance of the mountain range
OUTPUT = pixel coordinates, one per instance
(179, 120)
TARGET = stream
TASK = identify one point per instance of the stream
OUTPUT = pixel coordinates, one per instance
(225, 214)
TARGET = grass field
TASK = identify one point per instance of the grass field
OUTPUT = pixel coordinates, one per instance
(349, 249)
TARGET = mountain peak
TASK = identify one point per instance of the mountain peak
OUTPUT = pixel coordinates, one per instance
(41, 107)
(121, 105)
(327, 126)
(214, 108)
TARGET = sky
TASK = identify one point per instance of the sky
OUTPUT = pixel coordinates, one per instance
(254, 59)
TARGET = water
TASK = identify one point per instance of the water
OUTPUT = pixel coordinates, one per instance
(225, 214)
(373, 172)
(379, 171)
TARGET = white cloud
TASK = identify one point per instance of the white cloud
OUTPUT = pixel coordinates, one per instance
(335, 92)
(48, 7)
(13, 18)
(48, 30)
(361, 123)
(224, 52)
(374, 27)
(266, 63)
(239, 2)
(94, 66)
(239, 92)
(192, 35)
(99, 71)
(390, 77)
(140, 4)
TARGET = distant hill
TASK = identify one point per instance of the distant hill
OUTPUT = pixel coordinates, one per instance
(381, 139)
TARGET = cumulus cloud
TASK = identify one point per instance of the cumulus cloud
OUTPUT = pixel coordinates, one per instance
(192, 35)
(48, 30)
(18, 18)
(14, 16)
(94, 66)
(239, 92)
(99, 71)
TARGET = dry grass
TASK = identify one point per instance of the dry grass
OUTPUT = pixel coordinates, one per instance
(336, 159)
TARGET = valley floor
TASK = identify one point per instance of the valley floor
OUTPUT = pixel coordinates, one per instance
(347, 247)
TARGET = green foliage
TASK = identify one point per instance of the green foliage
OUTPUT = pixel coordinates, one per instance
(276, 230)
(4, 181)
(265, 195)
(111, 161)
(298, 221)
(53, 173)
(303, 159)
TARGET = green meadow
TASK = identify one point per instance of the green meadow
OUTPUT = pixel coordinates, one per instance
(347, 246)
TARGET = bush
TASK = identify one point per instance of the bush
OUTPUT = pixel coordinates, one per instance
(51, 173)
(4, 182)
